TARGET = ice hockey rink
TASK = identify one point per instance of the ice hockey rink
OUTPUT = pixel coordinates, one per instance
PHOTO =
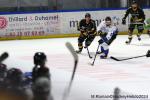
(131, 76)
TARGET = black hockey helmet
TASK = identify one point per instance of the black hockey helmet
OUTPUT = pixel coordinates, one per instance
(87, 15)
(134, 2)
(15, 75)
(39, 58)
(108, 20)
(134, 5)
(3, 70)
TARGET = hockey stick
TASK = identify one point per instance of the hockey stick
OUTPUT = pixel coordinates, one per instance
(75, 56)
(88, 48)
(95, 55)
(116, 59)
(89, 53)
(3, 56)
(136, 23)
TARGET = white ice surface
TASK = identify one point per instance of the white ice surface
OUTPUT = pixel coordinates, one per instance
(132, 76)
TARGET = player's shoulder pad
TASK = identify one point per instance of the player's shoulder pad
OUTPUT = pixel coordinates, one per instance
(139, 8)
(93, 21)
(130, 8)
(82, 20)
(103, 22)
(115, 29)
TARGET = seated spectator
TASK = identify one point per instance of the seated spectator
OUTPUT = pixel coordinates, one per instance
(41, 71)
(41, 78)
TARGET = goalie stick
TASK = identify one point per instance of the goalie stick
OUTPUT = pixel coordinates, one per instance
(75, 56)
(116, 59)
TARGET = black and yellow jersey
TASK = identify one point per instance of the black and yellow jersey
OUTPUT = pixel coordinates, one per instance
(135, 15)
(91, 26)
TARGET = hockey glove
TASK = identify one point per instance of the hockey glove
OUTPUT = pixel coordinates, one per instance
(99, 32)
(102, 34)
(124, 21)
(100, 41)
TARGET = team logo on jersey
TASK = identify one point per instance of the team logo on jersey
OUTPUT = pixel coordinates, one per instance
(3, 22)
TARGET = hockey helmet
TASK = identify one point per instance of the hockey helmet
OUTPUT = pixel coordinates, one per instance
(108, 20)
(14, 75)
(88, 15)
(134, 5)
(134, 2)
(39, 58)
